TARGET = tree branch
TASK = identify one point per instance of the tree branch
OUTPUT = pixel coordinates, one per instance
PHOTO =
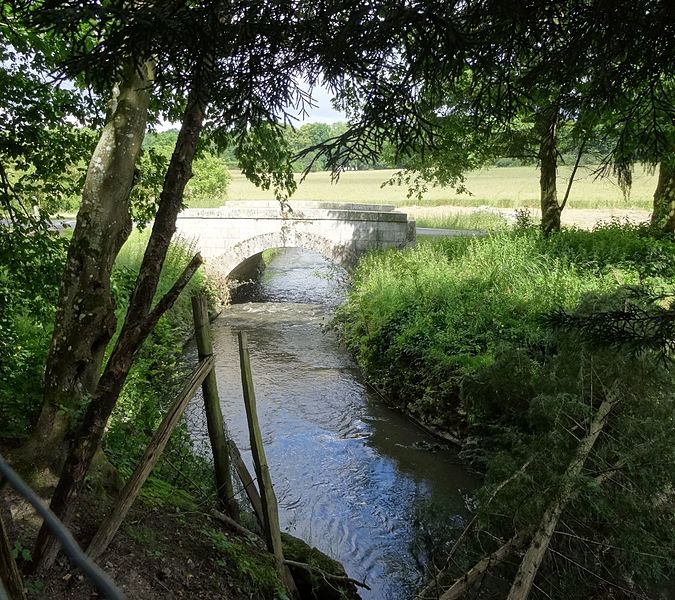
(170, 297)
(433, 584)
(574, 172)
(462, 585)
(313, 569)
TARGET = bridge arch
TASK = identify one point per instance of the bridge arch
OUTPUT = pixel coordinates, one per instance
(239, 255)
(238, 231)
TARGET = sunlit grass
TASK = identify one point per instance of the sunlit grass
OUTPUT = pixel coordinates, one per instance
(507, 187)
(422, 319)
(179, 255)
(482, 220)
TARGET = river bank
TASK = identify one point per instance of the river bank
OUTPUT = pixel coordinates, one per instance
(512, 342)
(169, 546)
(161, 551)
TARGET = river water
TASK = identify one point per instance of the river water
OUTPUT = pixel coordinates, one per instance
(353, 477)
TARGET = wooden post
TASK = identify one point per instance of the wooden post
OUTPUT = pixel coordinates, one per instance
(111, 524)
(10, 580)
(269, 501)
(214, 416)
(248, 482)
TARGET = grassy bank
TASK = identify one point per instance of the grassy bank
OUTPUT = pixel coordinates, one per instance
(512, 342)
(506, 187)
(158, 373)
(420, 321)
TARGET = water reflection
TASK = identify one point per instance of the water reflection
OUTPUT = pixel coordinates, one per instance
(349, 473)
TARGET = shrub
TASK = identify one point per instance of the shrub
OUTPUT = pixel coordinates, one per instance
(31, 262)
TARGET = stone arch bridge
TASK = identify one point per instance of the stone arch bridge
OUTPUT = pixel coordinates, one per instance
(232, 237)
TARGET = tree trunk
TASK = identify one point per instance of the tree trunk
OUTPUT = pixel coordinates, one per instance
(547, 125)
(10, 579)
(529, 566)
(663, 216)
(85, 316)
(138, 323)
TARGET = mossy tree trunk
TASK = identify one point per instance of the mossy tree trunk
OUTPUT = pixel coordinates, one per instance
(663, 215)
(547, 131)
(139, 322)
(85, 315)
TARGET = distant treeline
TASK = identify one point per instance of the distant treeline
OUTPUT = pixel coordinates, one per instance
(312, 134)
(297, 139)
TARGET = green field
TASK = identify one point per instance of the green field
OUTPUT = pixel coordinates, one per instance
(506, 187)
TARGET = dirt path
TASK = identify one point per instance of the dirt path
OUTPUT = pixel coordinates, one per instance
(585, 218)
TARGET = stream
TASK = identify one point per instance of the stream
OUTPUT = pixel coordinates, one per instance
(353, 477)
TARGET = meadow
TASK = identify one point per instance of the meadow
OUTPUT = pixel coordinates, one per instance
(501, 187)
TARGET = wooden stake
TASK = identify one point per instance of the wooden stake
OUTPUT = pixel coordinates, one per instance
(10, 580)
(248, 482)
(268, 499)
(109, 527)
(214, 415)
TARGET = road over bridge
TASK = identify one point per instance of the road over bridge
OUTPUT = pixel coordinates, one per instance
(233, 236)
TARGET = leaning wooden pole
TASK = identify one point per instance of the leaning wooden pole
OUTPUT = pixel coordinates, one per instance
(10, 579)
(269, 501)
(214, 415)
(248, 482)
(151, 456)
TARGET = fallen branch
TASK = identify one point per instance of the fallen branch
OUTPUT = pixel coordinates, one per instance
(522, 584)
(431, 590)
(343, 578)
(462, 585)
(230, 522)
(107, 530)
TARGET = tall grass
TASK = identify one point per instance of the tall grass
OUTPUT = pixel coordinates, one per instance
(179, 255)
(481, 220)
(420, 320)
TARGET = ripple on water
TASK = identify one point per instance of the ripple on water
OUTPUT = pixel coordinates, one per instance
(349, 473)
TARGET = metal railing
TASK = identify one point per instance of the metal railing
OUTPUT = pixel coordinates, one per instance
(89, 568)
